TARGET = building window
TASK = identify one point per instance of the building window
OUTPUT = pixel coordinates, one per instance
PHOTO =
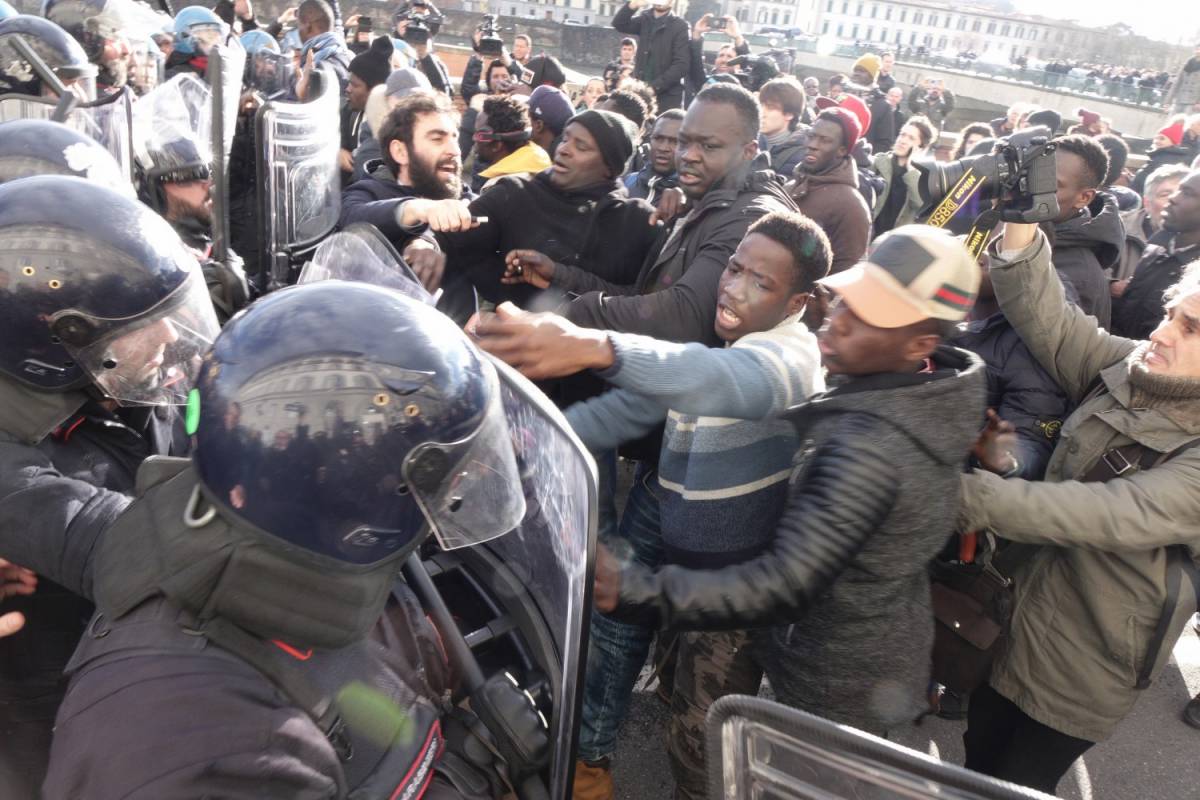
(870, 33)
(845, 6)
(918, 17)
(874, 11)
(774, 17)
(942, 43)
(903, 14)
(841, 31)
(829, 6)
(1020, 34)
(858, 10)
(854, 32)
(962, 23)
(975, 26)
(825, 27)
(883, 35)
(762, 16)
(787, 18)
(912, 38)
(991, 28)
(512, 11)
(1005, 30)
(899, 35)
(933, 20)
(887, 12)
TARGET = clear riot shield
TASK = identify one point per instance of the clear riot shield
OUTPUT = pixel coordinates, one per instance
(108, 120)
(226, 66)
(361, 253)
(300, 190)
(523, 598)
(271, 75)
(766, 751)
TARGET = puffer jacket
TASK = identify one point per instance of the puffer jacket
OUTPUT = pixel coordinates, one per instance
(1020, 390)
(833, 201)
(1086, 607)
(1085, 246)
(675, 295)
(873, 496)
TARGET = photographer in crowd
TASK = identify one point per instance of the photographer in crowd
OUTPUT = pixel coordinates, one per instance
(932, 100)
(698, 72)
(417, 22)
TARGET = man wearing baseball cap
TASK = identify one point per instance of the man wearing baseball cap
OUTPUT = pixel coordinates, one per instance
(873, 496)
(826, 185)
(549, 110)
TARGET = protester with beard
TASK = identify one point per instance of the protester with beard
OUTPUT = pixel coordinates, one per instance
(826, 186)
(554, 231)
(1088, 234)
(381, 100)
(421, 164)
(1144, 222)
(659, 173)
(782, 136)
(900, 202)
(1138, 310)
(100, 26)
(663, 55)
(1102, 601)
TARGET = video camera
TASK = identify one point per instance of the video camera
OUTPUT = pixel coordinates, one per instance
(756, 70)
(1020, 171)
(424, 21)
(490, 43)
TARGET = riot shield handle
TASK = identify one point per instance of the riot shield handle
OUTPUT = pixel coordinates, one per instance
(66, 98)
(488, 698)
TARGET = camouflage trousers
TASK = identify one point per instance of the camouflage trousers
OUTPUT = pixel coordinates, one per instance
(709, 666)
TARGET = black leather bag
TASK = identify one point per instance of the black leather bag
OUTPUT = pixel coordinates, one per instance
(972, 607)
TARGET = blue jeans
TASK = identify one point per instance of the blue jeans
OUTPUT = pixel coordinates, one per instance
(617, 651)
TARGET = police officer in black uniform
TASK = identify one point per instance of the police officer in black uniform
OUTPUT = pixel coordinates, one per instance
(101, 326)
(252, 637)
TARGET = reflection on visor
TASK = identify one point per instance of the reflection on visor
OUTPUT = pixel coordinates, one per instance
(151, 360)
(470, 491)
(205, 35)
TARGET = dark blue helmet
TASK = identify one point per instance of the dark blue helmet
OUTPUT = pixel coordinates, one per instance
(95, 288)
(40, 147)
(348, 421)
(62, 54)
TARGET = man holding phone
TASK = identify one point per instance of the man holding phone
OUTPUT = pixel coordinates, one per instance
(663, 55)
(698, 73)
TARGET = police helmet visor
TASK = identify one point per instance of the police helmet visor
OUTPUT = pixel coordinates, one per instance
(205, 36)
(470, 490)
(149, 360)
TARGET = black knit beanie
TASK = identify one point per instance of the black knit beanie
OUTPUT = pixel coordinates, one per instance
(614, 136)
(374, 66)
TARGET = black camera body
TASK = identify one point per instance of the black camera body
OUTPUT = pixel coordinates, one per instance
(1020, 171)
(424, 21)
(755, 70)
(717, 23)
(490, 43)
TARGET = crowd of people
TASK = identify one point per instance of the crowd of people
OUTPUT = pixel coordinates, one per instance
(725, 277)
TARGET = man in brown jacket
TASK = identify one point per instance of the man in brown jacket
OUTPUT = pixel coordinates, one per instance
(826, 186)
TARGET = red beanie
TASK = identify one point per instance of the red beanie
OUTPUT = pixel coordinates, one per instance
(1173, 132)
(1089, 118)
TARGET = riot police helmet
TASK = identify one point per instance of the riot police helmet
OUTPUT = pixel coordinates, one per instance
(97, 292)
(197, 29)
(346, 422)
(54, 46)
(41, 147)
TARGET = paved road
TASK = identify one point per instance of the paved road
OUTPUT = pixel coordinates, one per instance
(1153, 756)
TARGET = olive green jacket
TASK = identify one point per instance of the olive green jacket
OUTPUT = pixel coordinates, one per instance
(886, 167)
(1087, 606)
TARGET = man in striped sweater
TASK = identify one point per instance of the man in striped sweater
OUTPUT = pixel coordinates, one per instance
(722, 483)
